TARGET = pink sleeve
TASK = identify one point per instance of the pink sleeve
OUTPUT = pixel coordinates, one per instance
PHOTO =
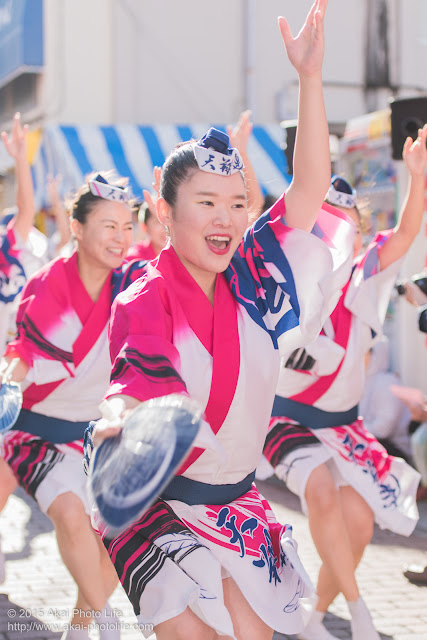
(8, 248)
(145, 361)
(368, 263)
(22, 345)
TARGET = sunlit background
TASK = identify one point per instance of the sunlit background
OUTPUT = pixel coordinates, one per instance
(117, 83)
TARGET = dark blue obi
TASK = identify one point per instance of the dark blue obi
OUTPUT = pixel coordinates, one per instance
(310, 416)
(52, 430)
(193, 492)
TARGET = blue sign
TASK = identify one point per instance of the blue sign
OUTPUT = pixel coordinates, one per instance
(21, 38)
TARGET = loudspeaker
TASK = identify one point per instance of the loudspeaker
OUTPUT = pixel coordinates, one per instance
(407, 116)
(290, 127)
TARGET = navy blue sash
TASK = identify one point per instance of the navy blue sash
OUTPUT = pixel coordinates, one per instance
(52, 430)
(310, 416)
(193, 492)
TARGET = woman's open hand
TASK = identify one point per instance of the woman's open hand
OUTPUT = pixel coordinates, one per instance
(305, 51)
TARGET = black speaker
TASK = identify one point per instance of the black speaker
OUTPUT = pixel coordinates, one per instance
(407, 116)
(290, 127)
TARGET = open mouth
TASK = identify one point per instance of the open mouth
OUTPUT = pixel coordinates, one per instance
(116, 252)
(218, 244)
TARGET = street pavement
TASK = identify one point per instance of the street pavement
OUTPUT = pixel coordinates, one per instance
(38, 595)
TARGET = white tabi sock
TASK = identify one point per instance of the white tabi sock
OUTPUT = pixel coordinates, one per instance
(362, 626)
(315, 629)
(109, 624)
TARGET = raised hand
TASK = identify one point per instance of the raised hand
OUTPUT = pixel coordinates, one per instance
(239, 135)
(415, 153)
(52, 189)
(157, 173)
(16, 146)
(411, 214)
(305, 51)
(16, 143)
(151, 202)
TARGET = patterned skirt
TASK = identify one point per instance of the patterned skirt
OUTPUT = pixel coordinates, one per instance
(43, 469)
(177, 555)
(355, 458)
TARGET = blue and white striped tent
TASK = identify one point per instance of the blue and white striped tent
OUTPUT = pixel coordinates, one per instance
(133, 151)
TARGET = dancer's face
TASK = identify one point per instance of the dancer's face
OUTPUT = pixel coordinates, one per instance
(207, 223)
(105, 237)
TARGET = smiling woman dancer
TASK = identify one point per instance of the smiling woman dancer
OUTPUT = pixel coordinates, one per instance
(317, 444)
(64, 366)
(208, 321)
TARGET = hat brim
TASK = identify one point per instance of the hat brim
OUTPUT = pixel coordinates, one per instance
(10, 405)
(130, 471)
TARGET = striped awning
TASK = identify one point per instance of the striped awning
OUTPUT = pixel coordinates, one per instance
(134, 150)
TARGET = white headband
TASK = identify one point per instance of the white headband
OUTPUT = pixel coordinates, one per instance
(101, 188)
(213, 154)
(340, 198)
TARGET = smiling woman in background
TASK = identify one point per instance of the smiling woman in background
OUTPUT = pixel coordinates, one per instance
(64, 366)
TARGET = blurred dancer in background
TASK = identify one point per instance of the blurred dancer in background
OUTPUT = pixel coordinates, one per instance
(64, 366)
(317, 444)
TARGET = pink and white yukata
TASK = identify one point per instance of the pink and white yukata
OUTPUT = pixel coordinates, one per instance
(63, 337)
(18, 261)
(165, 337)
(315, 414)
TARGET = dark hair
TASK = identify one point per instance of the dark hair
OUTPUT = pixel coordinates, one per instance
(84, 201)
(179, 166)
(269, 200)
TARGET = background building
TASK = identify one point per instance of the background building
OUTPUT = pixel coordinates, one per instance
(156, 62)
(117, 83)
(161, 61)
